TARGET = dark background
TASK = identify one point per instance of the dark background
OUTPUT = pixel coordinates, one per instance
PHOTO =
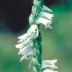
(56, 43)
(15, 13)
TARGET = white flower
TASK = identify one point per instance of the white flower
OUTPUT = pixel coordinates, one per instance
(48, 70)
(24, 36)
(27, 55)
(26, 48)
(49, 63)
(33, 31)
(19, 45)
(26, 44)
(44, 21)
(44, 17)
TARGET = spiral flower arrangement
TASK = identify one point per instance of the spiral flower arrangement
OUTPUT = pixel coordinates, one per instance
(30, 43)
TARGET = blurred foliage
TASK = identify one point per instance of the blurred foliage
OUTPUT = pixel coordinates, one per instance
(56, 43)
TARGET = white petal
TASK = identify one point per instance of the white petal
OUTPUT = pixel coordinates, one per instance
(26, 51)
(20, 41)
(43, 21)
(33, 28)
(30, 18)
(28, 47)
(28, 41)
(48, 70)
(22, 50)
(46, 8)
(19, 45)
(49, 61)
(33, 37)
(25, 56)
(46, 15)
(48, 25)
(50, 66)
(24, 36)
(30, 53)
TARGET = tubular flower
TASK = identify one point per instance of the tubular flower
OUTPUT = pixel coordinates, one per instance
(48, 64)
(48, 70)
(45, 17)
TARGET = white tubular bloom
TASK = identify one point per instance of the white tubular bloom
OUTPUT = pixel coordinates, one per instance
(44, 21)
(26, 43)
(19, 45)
(48, 70)
(45, 17)
(48, 64)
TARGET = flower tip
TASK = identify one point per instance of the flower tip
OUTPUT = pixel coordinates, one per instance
(55, 60)
(50, 27)
(19, 41)
(16, 46)
(19, 53)
(18, 37)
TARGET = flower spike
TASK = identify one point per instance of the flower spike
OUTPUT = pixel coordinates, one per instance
(29, 44)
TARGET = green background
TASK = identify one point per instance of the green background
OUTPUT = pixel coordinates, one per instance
(56, 43)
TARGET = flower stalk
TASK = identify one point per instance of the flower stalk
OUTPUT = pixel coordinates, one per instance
(30, 43)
